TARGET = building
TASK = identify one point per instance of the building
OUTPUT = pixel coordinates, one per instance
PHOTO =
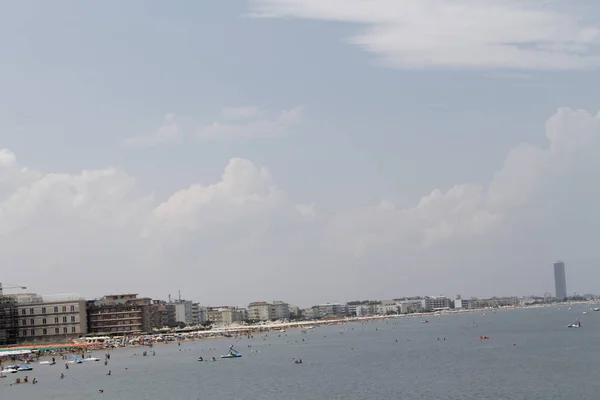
(47, 318)
(221, 316)
(281, 310)
(460, 303)
(198, 314)
(295, 312)
(364, 310)
(330, 310)
(410, 306)
(159, 316)
(183, 312)
(387, 307)
(560, 280)
(435, 303)
(122, 314)
(261, 311)
(352, 309)
(9, 321)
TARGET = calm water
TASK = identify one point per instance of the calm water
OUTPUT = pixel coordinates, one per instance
(549, 361)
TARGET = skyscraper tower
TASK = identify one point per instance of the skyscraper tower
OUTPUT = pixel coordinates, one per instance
(560, 281)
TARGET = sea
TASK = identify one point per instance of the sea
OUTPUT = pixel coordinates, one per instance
(530, 354)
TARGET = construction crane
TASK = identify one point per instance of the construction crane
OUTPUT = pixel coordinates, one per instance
(10, 286)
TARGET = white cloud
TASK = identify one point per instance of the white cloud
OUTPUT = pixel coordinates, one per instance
(169, 132)
(250, 122)
(511, 34)
(244, 233)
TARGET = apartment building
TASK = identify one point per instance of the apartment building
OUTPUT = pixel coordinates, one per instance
(281, 310)
(221, 316)
(261, 311)
(387, 307)
(49, 318)
(121, 314)
(330, 310)
(435, 303)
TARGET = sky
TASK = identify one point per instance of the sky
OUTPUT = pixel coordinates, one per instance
(301, 150)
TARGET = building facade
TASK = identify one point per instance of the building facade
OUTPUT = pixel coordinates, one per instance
(330, 310)
(435, 303)
(261, 311)
(122, 314)
(49, 318)
(560, 280)
(222, 316)
(281, 310)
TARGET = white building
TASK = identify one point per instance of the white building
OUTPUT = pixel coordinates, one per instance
(365, 310)
(410, 306)
(387, 307)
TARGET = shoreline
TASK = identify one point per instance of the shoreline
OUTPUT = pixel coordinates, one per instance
(237, 331)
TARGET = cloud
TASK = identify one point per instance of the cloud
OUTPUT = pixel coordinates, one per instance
(97, 232)
(251, 122)
(411, 34)
(169, 132)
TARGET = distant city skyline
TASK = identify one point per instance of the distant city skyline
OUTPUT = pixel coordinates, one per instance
(304, 150)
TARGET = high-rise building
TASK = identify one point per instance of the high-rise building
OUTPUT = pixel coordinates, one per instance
(560, 281)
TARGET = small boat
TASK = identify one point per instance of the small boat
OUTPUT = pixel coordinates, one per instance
(10, 369)
(585, 312)
(238, 355)
(232, 353)
(484, 337)
(425, 322)
(25, 367)
(47, 362)
(575, 324)
(92, 359)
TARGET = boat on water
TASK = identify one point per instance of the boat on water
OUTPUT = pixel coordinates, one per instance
(25, 367)
(425, 322)
(237, 355)
(10, 369)
(232, 353)
(575, 324)
(92, 359)
(75, 360)
(47, 362)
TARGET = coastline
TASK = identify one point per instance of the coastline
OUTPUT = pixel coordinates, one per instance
(236, 331)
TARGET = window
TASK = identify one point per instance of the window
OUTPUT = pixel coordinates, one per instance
(32, 321)
(55, 308)
(64, 308)
(72, 318)
(43, 321)
(64, 320)
(72, 308)
(31, 311)
(72, 329)
(44, 331)
(24, 332)
(56, 330)
(65, 330)
(24, 322)
(23, 312)
(43, 310)
(56, 320)
(32, 332)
